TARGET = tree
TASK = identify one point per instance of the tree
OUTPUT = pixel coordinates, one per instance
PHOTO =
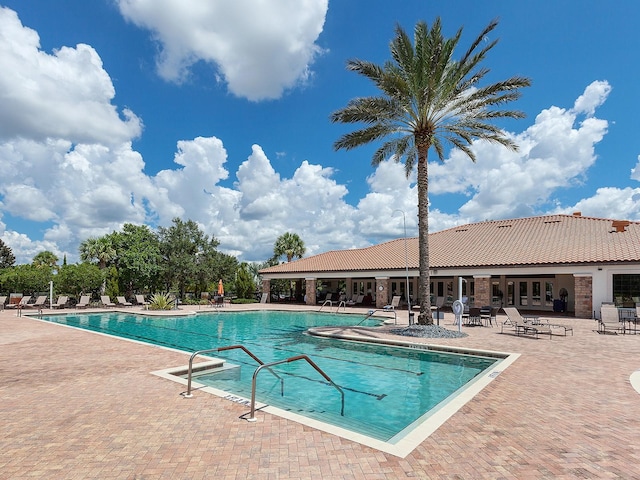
(186, 254)
(78, 279)
(428, 99)
(137, 257)
(289, 244)
(45, 259)
(245, 286)
(7, 258)
(100, 250)
(28, 279)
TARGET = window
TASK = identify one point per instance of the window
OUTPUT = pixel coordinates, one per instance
(535, 294)
(524, 296)
(626, 290)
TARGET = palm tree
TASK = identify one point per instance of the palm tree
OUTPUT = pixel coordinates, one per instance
(100, 250)
(45, 259)
(428, 99)
(289, 244)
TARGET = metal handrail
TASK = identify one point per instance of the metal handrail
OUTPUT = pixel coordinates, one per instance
(342, 304)
(371, 312)
(329, 301)
(252, 418)
(221, 349)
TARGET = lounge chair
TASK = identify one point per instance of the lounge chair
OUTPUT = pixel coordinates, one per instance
(122, 302)
(84, 301)
(19, 303)
(610, 320)
(106, 301)
(355, 301)
(264, 297)
(395, 301)
(3, 300)
(141, 301)
(39, 303)
(62, 301)
(521, 326)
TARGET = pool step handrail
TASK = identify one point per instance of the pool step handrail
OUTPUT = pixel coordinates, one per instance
(252, 417)
(342, 304)
(328, 301)
(188, 393)
(370, 314)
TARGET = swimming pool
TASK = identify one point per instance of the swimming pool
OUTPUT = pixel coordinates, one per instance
(388, 391)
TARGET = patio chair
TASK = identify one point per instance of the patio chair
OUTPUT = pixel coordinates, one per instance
(489, 315)
(122, 302)
(62, 301)
(106, 301)
(3, 300)
(21, 303)
(610, 320)
(355, 301)
(141, 301)
(39, 303)
(515, 319)
(395, 301)
(84, 301)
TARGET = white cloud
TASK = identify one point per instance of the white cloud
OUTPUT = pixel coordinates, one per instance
(66, 94)
(635, 172)
(260, 47)
(76, 174)
(555, 152)
(593, 96)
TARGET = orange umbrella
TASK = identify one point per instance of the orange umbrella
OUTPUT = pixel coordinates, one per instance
(220, 288)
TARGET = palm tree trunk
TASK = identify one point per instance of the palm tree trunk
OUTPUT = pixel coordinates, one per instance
(424, 318)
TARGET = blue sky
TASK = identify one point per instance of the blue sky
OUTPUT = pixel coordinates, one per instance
(115, 111)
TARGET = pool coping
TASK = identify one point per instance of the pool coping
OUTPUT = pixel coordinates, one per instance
(404, 442)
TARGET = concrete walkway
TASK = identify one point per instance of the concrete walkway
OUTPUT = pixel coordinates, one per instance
(76, 405)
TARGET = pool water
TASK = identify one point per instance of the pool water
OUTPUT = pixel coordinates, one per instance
(386, 389)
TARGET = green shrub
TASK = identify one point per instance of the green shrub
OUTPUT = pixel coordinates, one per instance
(161, 301)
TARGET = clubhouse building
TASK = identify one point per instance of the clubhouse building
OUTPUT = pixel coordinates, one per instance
(567, 263)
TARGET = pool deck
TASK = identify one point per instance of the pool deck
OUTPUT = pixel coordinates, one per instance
(76, 405)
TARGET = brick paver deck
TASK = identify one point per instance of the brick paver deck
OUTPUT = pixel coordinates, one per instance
(77, 405)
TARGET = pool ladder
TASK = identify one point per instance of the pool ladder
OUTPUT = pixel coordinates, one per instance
(267, 366)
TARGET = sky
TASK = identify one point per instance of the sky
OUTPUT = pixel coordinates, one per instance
(140, 111)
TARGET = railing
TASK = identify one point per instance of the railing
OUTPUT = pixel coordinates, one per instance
(188, 393)
(372, 312)
(252, 418)
(328, 301)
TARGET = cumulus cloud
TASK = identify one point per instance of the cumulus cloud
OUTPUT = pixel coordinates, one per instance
(260, 47)
(555, 152)
(66, 94)
(73, 180)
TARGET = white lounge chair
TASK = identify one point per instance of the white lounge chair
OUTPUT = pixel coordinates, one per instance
(521, 326)
(122, 302)
(141, 301)
(610, 320)
(395, 301)
(84, 301)
(62, 301)
(106, 301)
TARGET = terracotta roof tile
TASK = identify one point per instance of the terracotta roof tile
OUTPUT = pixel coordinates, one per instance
(552, 239)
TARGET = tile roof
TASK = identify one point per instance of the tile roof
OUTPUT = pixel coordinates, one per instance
(544, 240)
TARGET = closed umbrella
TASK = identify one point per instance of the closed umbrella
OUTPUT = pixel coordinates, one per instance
(220, 288)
